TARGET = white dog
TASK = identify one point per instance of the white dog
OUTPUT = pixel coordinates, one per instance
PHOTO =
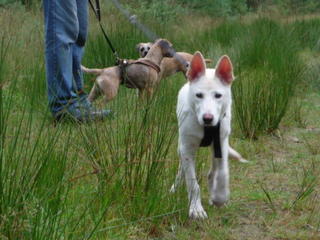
(204, 117)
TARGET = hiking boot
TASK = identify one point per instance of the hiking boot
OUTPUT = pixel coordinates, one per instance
(82, 111)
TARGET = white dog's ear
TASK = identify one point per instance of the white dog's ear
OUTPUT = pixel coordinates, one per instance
(197, 67)
(138, 46)
(224, 70)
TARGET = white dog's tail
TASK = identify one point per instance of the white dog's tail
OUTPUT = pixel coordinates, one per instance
(95, 71)
(235, 155)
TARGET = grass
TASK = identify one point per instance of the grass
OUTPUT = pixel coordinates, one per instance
(111, 179)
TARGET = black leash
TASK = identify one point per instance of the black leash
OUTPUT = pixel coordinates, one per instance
(97, 13)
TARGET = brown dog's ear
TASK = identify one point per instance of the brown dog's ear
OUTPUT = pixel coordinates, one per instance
(224, 70)
(197, 67)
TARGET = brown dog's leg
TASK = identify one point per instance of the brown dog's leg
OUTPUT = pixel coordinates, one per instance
(94, 93)
(145, 93)
(109, 83)
(110, 89)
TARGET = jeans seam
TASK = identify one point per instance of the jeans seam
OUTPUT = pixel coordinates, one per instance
(54, 6)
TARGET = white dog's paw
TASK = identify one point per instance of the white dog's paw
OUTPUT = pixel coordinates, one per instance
(242, 160)
(218, 200)
(217, 203)
(173, 189)
(197, 212)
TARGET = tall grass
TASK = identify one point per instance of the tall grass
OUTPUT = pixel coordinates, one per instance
(132, 157)
(269, 70)
(35, 166)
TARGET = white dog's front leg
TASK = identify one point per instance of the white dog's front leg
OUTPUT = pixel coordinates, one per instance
(178, 179)
(218, 177)
(188, 167)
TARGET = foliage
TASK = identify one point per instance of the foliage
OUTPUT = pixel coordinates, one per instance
(265, 86)
(162, 11)
(168, 10)
(28, 4)
(300, 6)
(217, 7)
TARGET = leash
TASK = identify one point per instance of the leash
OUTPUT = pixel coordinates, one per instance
(134, 21)
(97, 13)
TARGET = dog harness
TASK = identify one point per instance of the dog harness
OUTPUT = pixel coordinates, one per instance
(124, 63)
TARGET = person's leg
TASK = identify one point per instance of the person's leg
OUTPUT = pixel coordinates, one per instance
(77, 52)
(78, 47)
(61, 33)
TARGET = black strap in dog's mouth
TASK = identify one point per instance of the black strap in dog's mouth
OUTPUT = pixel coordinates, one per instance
(212, 134)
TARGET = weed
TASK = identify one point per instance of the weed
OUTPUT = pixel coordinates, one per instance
(312, 144)
(307, 186)
(268, 198)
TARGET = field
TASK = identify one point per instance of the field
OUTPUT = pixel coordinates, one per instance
(111, 179)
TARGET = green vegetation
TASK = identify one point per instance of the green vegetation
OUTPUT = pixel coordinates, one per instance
(170, 8)
(111, 179)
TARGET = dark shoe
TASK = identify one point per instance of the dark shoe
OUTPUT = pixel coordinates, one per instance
(82, 112)
(83, 100)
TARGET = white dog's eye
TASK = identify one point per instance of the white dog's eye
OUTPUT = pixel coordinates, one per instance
(199, 95)
(142, 49)
(218, 95)
(148, 48)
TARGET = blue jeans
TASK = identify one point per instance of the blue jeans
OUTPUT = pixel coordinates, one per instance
(66, 27)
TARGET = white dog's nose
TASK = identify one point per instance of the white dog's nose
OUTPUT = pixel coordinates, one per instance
(207, 118)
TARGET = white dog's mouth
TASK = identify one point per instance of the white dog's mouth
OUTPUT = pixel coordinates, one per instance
(208, 119)
(213, 124)
(211, 135)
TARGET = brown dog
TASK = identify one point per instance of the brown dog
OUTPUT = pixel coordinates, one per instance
(142, 74)
(169, 66)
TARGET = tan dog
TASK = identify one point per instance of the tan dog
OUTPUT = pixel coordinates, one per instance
(142, 74)
(169, 66)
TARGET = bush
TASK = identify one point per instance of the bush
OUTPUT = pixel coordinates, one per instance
(307, 32)
(301, 6)
(217, 7)
(29, 4)
(161, 11)
(268, 73)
